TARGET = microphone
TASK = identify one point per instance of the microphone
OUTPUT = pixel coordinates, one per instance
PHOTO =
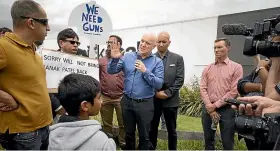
(235, 29)
(138, 58)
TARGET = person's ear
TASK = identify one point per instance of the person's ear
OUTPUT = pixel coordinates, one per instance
(60, 43)
(30, 23)
(228, 48)
(84, 106)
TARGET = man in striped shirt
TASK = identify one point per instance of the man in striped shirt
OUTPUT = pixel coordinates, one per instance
(219, 82)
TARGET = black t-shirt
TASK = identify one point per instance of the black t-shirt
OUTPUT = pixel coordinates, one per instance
(82, 52)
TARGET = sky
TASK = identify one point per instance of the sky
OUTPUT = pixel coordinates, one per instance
(134, 13)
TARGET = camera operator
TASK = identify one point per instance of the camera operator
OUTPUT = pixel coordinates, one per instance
(254, 85)
(273, 76)
(262, 121)
(269, 103)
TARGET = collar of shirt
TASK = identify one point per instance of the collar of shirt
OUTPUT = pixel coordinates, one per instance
(165, 55)
(19, 41)
(226, 61)
(139, 56)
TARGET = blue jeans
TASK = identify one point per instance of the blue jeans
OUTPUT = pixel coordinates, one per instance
(35, 140)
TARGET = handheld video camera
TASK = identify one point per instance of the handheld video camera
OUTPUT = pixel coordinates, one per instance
(258, 38)
(265, 129)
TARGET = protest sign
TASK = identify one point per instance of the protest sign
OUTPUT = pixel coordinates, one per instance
(58, 65)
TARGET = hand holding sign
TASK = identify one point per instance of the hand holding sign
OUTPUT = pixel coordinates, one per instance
(115, 50)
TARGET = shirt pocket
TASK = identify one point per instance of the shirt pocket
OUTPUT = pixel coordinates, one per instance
(171, 68)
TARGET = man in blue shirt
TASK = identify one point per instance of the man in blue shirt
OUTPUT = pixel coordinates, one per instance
(143, 76)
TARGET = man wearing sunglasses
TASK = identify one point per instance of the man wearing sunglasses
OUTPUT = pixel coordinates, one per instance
(25, 108)
(68, 42)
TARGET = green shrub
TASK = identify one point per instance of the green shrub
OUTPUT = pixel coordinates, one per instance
(190, 100)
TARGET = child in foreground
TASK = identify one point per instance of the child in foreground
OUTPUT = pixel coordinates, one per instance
(80, 96)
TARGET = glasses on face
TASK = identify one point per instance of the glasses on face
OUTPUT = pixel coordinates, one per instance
(72, 42)
(110, 42)
(41, 21)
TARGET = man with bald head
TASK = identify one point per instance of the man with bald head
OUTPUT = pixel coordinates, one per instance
(143, 76)
(167, 98)
(25, 109)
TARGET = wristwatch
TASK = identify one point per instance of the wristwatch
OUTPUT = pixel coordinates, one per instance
(277, 88)
(258, 69)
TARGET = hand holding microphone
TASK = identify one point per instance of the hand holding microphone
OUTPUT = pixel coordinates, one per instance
(139, 65)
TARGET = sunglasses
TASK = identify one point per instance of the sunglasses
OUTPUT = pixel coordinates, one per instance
(74, 42)
(111, 42)
(41, 21)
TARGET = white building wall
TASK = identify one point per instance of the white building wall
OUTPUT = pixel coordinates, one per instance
(193, 40)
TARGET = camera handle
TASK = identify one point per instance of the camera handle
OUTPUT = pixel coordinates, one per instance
(237, 103)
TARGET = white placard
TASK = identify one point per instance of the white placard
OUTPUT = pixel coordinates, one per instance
(91, 20)
(58, 65)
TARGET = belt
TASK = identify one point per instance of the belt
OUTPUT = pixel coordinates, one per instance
(111, 97)
(136, 100)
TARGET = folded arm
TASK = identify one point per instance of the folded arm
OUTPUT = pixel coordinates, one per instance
(247, 85)
(7, 102)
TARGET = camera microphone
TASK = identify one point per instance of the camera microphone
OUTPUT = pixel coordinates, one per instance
(235, 29)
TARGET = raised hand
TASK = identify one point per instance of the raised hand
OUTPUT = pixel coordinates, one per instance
(115, 50)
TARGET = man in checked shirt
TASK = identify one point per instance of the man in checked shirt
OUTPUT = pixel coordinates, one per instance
(218, 82)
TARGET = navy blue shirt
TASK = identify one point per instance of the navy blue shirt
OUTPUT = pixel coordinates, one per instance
(138, 85)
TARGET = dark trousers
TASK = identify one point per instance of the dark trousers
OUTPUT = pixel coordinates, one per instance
(138, 113)
(226, 122)
(36, 140)
(170, 115)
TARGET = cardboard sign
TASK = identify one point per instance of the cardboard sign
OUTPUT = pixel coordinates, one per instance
(58, 65)
(92, 21)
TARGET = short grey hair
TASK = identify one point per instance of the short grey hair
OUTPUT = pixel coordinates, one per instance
(26, 8)
(226, 40)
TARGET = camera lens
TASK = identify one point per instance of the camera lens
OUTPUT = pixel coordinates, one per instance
(249, 124)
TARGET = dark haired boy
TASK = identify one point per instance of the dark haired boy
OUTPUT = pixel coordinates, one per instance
(80, 96)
